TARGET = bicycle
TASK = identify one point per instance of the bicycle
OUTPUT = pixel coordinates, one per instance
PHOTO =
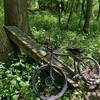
(51, 76)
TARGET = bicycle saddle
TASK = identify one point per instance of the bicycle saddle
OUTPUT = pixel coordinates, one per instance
(75, 50)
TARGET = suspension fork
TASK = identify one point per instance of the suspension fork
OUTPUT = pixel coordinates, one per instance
(76, 60)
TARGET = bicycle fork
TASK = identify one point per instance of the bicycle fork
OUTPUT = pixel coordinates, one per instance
(77, 75)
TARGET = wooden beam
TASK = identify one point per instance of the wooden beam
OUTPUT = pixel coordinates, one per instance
(33, 48)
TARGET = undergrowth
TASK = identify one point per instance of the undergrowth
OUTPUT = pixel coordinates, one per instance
(16, 81)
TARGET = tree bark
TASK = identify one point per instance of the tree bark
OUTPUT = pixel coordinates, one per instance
(88, 15)
(83, 7)
(70, 14)
(77, 4)
(5, 46)
(82, 14)
(16, 14)
(98, 16)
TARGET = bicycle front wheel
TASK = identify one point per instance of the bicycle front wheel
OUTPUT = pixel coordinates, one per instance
(47, 87)
(89, 69)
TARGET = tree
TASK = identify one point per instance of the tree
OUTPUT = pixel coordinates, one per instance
(98, 16)
(70, 13)
(5, 45)
(82, 13)
(15, 12)
(88, 14)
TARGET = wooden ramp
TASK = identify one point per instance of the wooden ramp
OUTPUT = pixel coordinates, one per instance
(32, 48)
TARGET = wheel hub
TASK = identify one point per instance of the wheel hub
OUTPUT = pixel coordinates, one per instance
(49, 81)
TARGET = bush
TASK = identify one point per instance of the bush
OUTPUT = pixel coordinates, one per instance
(15, 79)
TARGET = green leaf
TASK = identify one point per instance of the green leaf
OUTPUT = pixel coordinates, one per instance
(22, 83)
(15, 97)
(18, 78)
(13, 82)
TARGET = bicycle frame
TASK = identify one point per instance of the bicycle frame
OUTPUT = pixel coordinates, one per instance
(76, 60)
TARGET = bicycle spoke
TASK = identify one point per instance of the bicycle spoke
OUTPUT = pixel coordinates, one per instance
(56, 87)
(89, 69)
(47, 85)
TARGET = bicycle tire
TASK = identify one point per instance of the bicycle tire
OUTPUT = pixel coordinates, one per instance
(93, 70)
(51, 97)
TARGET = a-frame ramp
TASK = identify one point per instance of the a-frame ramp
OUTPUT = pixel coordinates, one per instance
(29, 45)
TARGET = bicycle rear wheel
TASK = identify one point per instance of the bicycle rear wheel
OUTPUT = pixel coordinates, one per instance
(47, 87)
(89, 69)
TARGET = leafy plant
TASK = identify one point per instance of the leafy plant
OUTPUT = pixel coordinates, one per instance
(15, 79)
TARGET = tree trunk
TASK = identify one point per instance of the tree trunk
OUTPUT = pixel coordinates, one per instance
(16, 14)
(88, 15)
(83, 7)
(77, 4)
(98, 16)
(5, 46)
(82, 14)
(70, 14)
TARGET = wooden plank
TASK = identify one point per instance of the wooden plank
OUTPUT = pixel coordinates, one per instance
(33, 48)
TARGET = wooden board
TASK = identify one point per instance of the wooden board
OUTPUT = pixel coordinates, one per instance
(34, 49)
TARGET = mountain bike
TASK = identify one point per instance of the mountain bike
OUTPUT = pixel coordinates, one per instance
(49, 81)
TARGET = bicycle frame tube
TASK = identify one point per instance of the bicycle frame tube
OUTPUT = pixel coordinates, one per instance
(75, 66)
(59, 54)
(50, 64)
(59, 61)
(74, 58)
